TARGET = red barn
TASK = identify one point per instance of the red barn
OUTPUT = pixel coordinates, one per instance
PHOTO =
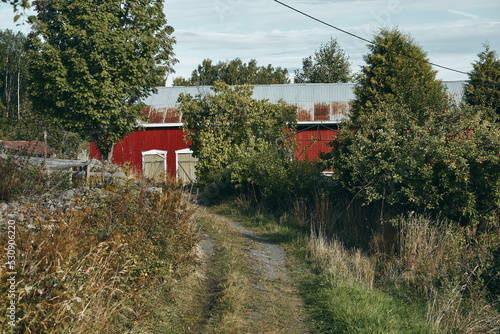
(160, 146)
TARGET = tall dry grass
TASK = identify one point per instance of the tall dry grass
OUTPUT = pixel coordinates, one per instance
(86, 271)
(331, 256)
(437, 261)
(423, 259)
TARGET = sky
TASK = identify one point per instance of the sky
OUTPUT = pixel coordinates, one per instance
(451, 32)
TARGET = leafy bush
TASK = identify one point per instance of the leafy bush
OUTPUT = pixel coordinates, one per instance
(449, 164)
(267, 173)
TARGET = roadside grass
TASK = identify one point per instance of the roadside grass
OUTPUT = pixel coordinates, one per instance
(336, 284)
(342, 306)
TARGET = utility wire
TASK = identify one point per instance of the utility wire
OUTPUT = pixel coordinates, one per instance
(364, 39)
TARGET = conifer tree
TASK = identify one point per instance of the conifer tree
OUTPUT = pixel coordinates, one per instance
(483, 88)
(397, 71)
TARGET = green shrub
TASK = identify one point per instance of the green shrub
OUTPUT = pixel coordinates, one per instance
(269, 176)
(449, 165)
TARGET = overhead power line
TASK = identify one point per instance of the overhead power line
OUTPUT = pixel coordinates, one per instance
(364, 39)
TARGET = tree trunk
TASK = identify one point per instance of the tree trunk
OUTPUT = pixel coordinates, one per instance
(18, 97)
(6, 86)
(106, 154)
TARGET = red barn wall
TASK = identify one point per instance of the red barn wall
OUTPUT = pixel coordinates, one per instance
(131, 147)
(305, 138)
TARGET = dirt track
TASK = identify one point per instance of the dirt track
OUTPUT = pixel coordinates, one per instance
(273, 305)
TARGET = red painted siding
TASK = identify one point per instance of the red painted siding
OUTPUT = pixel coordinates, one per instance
(131, 147)
(171, 139)
(323, 136)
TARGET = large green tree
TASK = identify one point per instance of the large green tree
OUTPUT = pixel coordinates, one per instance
(328, 64)
(483, 87)
(405, 149)
(397, 71)
(234, 72)
(92, 62)
(220, 122)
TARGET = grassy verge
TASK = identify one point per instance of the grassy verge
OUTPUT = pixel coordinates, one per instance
(337, 284)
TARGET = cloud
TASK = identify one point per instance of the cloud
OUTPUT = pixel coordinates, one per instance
(472, 16)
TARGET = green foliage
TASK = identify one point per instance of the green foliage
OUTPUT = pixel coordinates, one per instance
(268, 175)
(234, 72)
(219, 122)
(16, 5)
(92, 62)
(20, 178)
(328, 64)
(34, 126)
(449, 164)
(483, 87)
(397, 72)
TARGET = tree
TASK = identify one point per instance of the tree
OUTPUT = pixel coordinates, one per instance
(234, 72)
(448, 165)
(13, 72)
(483, 87)
(397, 71)
(18, 4)
(404, 148)
(328, 64)
(92, 62)
(220, 122)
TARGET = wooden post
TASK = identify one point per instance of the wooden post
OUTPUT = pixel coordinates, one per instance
(45, 148)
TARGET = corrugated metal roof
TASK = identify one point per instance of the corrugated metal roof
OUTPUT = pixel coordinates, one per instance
(326, 103)
(455, 89)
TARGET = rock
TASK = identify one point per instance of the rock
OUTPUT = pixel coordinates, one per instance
(154, 190)
(4, 207)
(68, 194)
